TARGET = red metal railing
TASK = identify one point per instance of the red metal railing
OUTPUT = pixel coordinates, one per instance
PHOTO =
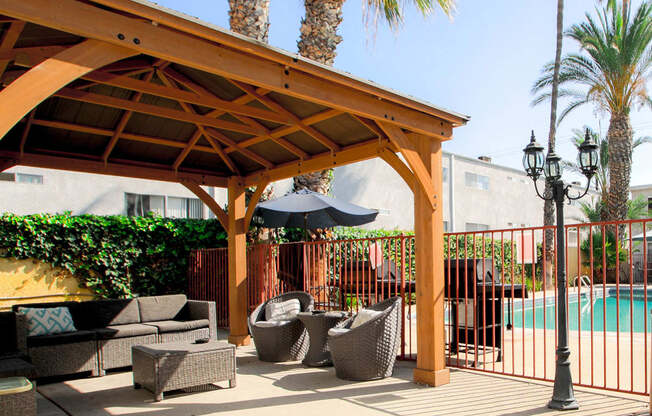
(506, 325)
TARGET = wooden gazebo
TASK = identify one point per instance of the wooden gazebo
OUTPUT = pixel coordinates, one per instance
(127, 88)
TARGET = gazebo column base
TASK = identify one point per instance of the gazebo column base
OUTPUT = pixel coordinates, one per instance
(239, 340)
(433, 378)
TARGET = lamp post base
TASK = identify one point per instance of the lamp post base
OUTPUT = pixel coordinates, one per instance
(563, 404)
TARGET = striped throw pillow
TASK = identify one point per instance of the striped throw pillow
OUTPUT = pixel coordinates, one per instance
(48, 321)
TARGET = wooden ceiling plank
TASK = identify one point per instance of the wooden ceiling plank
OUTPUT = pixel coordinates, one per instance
(270, 103)
(349, 154)
(8, 41)
(201, 131)
(123, 122)
(154, 110)
(113, 168)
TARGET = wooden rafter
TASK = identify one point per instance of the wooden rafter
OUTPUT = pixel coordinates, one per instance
(154, 110)
(123, 122)
(28, 126)
(202, 131)
(269, 102)
(8, 41)
(232, 143)
(265, 132)
(198, 134)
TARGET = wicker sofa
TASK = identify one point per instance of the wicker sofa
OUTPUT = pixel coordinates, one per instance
(107, 329)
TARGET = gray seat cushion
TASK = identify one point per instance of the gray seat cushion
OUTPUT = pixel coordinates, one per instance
(161, 308)
(102, 313)
(59, 339)
(178, 326)
(124, 331)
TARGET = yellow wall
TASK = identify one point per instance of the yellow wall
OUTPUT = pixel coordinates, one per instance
(30, 281)
(571, 258)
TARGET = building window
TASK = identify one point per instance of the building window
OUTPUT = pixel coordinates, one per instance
(140, 205)
(445, 174)
(383, 211)
(21, 178)
(472, 226)
(474, 180)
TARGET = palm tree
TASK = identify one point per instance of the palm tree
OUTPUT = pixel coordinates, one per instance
(319, 39)
(602, 174)
(613, 69)
(250, 18)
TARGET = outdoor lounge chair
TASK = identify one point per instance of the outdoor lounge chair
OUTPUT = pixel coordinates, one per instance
(281, 340)
(368, 351)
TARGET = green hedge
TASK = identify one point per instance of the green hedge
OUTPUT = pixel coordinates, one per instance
(114, 256)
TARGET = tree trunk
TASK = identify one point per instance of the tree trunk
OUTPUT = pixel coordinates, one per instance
(549, 208)
(250, 18)
(318, 41)
(620, 165)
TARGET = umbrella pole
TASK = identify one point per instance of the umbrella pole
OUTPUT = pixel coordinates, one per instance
(305, 227)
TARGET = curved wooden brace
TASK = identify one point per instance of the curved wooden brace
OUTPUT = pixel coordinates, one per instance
(397, 164)
(409, 151)
(260, 188)
(210, 203)
(46, 78)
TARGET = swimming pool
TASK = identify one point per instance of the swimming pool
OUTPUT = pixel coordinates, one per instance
(616, 306)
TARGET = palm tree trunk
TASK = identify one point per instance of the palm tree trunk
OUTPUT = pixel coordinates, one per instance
(250, 18)
(619, 136)
(548, 207)
(318, 41)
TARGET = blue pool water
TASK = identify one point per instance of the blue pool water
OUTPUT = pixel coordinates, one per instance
(616, 309)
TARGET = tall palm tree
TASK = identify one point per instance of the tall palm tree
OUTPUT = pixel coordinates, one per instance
(613, 69)
(250, 18)
(319, 39)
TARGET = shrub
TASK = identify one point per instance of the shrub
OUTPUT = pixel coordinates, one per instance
(114, 256)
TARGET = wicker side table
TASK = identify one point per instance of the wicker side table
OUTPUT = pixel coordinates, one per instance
(317, 324)
(177, 365)
(17, 397)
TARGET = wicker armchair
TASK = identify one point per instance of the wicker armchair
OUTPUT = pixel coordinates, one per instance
(288, 342)
(368, 351)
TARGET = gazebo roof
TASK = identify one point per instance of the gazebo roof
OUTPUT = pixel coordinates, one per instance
(195, 101)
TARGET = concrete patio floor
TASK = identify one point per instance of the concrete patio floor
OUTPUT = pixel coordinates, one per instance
(290, 388)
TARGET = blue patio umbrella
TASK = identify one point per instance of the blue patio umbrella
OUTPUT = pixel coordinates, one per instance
(310, 210)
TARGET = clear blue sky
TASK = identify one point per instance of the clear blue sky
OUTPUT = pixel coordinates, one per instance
(482, 63)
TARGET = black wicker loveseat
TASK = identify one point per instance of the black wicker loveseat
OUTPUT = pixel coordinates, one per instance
(107, 329)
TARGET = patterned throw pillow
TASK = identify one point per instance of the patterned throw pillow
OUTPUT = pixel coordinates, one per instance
(282, 311)
(48, 321)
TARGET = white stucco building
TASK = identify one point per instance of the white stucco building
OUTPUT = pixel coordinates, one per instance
(477, 194)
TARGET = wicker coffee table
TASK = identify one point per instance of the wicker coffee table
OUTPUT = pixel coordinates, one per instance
(17, 397)
(177, 365)
(317, 324)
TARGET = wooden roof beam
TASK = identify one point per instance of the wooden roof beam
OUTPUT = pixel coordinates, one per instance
(90, 21)
(8, 41)
(270, 103)
(349, 154)
(265, 133)
(113, 168)
(123, 123)
(154, 110)
(232, 143)
(195, 138)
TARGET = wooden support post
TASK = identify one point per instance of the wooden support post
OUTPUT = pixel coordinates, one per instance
(429, 234)
(237, 264)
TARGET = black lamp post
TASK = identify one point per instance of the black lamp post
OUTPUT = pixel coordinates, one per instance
(533, 162)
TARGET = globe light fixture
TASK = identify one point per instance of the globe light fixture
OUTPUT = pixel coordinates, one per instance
(563, 397)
